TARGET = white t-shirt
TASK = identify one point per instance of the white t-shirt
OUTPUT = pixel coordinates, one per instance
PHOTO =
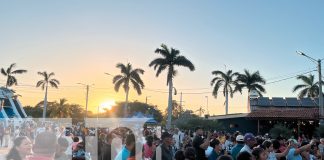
(176, 137)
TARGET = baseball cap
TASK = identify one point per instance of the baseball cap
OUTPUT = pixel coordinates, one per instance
(240, 138)
(249, 137)
(166, 135)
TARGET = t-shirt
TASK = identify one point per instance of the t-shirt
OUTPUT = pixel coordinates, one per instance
(291, 155)
(272, 156)
(321, 148)
(236, 150)
(200, 153)
(247, 149)
(123, 154)
(213, 155)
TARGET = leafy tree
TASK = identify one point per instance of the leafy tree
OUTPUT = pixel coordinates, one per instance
(228, 81)
(280, 130)
(309, 88)
(170, 59)
(128, 75)
(9, 73)
(44, 84)
(61, 109)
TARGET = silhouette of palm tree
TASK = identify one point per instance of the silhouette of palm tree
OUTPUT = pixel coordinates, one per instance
(128, 75)
(170, 59)
(44, 84)
(9, 73)
(226, 80)
(309, 88)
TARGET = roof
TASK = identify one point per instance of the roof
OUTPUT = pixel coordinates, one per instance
(237, 115)
(292, 102)
(285, 114)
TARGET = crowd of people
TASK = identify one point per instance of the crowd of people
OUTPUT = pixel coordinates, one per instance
(50, 141)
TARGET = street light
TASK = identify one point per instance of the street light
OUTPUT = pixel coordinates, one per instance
(320, 95)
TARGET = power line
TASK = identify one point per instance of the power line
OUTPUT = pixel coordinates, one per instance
(289, 77)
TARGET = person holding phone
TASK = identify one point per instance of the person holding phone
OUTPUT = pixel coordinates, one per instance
(295, 152)
(200, 144)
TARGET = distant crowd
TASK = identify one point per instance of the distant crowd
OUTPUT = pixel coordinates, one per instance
(51, 141)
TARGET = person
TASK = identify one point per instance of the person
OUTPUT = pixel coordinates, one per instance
(149, 147)
(200, 144)
(268, 147)
(2, 131)
(321, 148)
(225, 157)
(75, 143)
(60, 154)
(6, 136)
(228, 145)
(22, 147)
(190, 154)
(179, 155)
(217, 149)
(244, 156)
(276, 145)
(126, 150)
(165, 147)
(136, 152)
(294, 151)
(44, 147)
(249, 141)
(106, 148)
(177, 139)
(259, 154)
(237, 148)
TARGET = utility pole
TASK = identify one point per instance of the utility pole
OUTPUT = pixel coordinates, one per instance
(87, 99)
(320, 94)
(207, 105)
(146, 98)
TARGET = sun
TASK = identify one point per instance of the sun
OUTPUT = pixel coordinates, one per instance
(106, 106)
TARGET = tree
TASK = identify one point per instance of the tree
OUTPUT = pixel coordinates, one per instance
(170, 59)
(9, 73)
(227, 81)
(309, 88)
(251, 81)
(61, 109)
(128, 75)
(45, 83)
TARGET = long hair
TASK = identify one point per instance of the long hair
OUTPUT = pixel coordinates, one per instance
(14, 153)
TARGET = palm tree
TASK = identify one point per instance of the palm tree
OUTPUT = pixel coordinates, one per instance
(61, 109)
(128, 74)
(309, 88)
(170, 59)
(229, 83)
(45, 83)
(251, 81)
(11, 80)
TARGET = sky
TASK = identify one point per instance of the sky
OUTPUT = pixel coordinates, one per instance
(80, 40)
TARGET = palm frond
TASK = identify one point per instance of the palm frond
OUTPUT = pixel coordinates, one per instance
(218, 84)
(122, 67)
(3, 72)
(116, 78)
(137, 87)
(53, 84)
(55, 81)
(118, 83)
(39, 83)
(20, 71)
(183, 61)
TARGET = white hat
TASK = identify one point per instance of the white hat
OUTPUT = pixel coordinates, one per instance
(240, 138)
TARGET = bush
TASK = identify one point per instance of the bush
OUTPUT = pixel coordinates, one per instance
(280, 130)
(191, 123)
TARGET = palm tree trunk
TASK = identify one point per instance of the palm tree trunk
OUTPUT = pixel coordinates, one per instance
(126, 103)
(226, 102)
(170, 105)
(248, 104)
(45, 103)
